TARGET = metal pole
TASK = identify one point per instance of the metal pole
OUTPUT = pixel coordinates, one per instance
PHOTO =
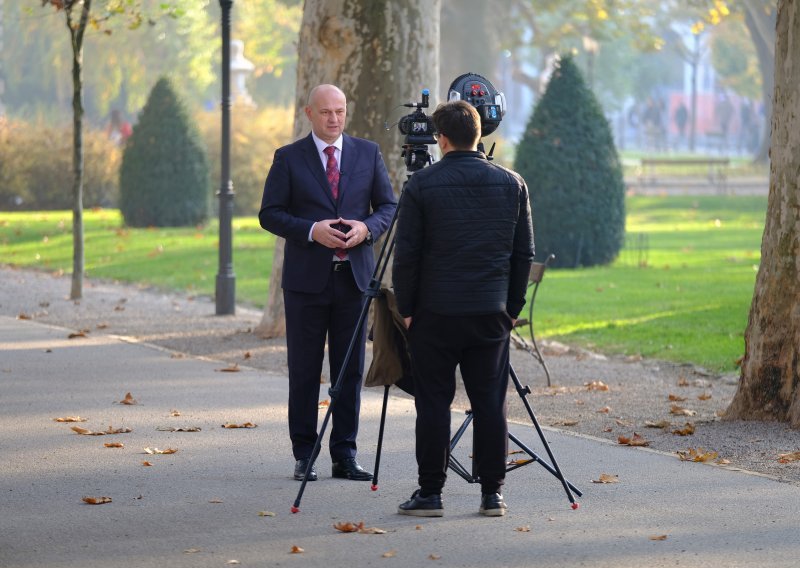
(226, 279)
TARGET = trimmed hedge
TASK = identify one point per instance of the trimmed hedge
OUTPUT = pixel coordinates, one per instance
(568, 157)
(164, 177)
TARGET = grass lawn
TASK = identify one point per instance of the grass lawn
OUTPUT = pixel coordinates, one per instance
(688, 303)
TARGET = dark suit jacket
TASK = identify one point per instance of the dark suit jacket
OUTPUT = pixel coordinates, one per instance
(297, 194)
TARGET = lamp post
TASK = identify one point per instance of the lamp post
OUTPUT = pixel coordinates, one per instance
(226, 279)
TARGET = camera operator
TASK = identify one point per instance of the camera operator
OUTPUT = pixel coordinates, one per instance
(463, 252)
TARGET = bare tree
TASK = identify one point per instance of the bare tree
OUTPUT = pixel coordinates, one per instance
(380, 55)
(769, 387)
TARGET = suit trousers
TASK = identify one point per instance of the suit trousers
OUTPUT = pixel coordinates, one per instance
(480, 346)
(334, 313)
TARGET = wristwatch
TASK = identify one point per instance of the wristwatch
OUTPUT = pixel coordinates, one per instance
(368, 239)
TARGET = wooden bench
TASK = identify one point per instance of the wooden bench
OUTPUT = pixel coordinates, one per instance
(716, 170)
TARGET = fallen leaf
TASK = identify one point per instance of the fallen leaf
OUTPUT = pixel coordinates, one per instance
(371, 530)
(177, 356)
(512, 452)
(97, 500)
(519, 462)
(434, 557)
(230, 369)
(523, 529)
(215, 501)
(658, 537)
(101, 326)
(687, 430)
(178, 429)
(266, 514)
(580, 402)
(418, 527)
(635, 440)
(77, 335)
(606, 478)
(389, 554)
(659, 424)
(174, 413)
(297, 550)
(704, 396)
(23, 316)
(682, 382)
(70, 419)
(722, 461)
(247, 355)
(566, 423)
(789, 457)
(324, 403)
(697, 455)
(191, 550)
(147, 464)
(608, 429)
(604, 410)
(128, 400)
(676, 398)
(680, 411)
(244, 425)
(154, 451)
(114, 445)
(596, 385)
(621, 422)
(112, 430)
(348, 527)
(232, 562)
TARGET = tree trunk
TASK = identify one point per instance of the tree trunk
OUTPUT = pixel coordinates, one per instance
(76, 30)
(769, 387)
(761, 26)
(381, 55)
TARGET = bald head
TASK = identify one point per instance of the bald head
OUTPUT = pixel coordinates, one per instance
(327, 111)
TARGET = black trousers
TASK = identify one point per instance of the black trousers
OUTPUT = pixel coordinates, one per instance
(310, 318)
(479, 345)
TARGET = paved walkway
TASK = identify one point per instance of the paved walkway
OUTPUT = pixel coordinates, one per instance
(200, 506)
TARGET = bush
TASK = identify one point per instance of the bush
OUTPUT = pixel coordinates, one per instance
(568, 158)
(255, 135)
(164, 178)
(36, 167)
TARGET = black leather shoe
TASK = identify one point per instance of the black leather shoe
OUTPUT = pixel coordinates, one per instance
(348, 468)
(300, 470)
(492, 505)
(430, 506)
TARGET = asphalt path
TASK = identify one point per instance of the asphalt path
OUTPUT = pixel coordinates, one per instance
(224, 497)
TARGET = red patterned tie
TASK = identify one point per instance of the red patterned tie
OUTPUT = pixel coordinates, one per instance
(332, 171)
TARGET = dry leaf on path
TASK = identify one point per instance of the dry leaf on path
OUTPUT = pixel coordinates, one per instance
(178, 429)
(70, 419)
(23, 316)
(687, 430)
(789, 457)
(154, 451)
(244, 425)
(433, 557)
(658, 537)
(682, 382)
(635, 440)
(77, 335)
(97, 500)
(659, 424)
(389, 554)
(128, 400)
(215, 501)
(297, 550)
(114, 445)
(324, 403)
(174, 412)
(523, 529)
(266, 514)
(191, 550)
(676, 398)
(568, 422)
(371, 530)
(596, 385)
(147, 464)
(111, 430)
(680, 411)
(230, 369)
(604, 410)
(348, 527)
(704, 396)
(233, 562)
(606, 478)
(697, 455)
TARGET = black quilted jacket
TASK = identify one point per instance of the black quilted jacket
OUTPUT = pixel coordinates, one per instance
(464, 240)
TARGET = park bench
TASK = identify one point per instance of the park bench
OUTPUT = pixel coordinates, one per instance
(715, 170)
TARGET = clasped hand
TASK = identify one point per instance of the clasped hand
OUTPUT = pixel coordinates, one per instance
(330, 233)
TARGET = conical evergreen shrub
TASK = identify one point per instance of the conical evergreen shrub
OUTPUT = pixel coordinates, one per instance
(568, 158)
(164, 176)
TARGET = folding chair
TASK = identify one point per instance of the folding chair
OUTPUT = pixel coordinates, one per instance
(535, 278)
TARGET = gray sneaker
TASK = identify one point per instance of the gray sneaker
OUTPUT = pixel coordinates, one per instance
(430, 506)
(492, 505)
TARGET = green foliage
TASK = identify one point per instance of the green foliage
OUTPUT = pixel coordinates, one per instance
(255, 135)
(568, 158)
(734, 57)
(36, 163)
(687, 303)
(164, 177)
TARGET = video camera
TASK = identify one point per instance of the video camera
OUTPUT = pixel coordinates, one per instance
(420, 131)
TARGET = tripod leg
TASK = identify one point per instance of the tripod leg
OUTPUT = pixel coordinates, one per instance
(380, 439)
(314, 455)
(557, 472)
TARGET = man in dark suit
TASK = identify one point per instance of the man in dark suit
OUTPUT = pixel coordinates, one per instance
(330, 197)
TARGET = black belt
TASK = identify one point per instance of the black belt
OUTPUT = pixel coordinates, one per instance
(338, 265)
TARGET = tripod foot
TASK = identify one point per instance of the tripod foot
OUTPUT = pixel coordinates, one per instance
(574, 506)
(295, 509)
(374, 487)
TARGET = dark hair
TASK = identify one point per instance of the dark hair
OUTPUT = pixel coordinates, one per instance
(459, 121)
